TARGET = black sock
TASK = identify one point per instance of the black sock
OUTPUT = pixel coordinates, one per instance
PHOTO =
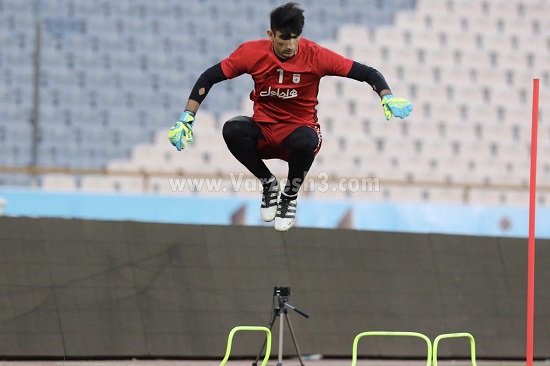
(289, 197)
(270, 182)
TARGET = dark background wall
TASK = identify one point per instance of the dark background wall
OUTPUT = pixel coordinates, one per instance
(77, 288)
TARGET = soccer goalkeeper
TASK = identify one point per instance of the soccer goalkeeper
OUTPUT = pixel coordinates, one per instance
(286, 70)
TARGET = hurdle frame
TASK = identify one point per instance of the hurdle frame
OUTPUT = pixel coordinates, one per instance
(392, 334)
(248, 328)
(455, 335)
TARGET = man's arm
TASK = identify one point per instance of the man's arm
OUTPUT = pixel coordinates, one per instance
(183, 128)
(202, 86)
(398, 107)
(371, 76)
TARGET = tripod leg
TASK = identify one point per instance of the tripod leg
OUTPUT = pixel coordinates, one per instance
(294, 340)
(281, 322)
(255, 363)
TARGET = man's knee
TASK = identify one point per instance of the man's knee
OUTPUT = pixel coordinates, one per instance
(230, 130)
(235, 128)
(304, 139)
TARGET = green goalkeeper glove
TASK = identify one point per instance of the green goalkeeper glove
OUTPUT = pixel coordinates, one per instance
(183, 128)
(397, 107)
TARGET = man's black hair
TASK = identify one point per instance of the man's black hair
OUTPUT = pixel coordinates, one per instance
(287, 19)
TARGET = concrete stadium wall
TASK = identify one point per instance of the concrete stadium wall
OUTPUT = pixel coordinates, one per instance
(77, 288)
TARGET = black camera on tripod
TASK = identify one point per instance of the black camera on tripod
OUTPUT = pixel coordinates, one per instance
(282, 292)
(280, 296)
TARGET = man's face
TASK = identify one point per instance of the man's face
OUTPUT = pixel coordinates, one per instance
(284, 45)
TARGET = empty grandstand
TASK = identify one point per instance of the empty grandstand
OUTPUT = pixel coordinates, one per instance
(113, 76)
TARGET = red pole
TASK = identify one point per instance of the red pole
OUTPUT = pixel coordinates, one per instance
(531, 241)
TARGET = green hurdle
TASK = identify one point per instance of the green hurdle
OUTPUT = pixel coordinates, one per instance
(385, 333)
(431, 350)
(248, 328)
(455, 335)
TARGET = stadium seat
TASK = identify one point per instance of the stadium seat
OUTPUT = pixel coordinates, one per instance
(322, 192)
(347, 32)
(58, 182)
(433, 7)
(543, 199)
(502, 197)
(444, 195)
(114, 184)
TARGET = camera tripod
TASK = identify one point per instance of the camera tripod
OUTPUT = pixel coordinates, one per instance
(280, 305)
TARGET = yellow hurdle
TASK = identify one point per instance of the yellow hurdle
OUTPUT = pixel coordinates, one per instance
(385, 333)
(456, 335)
(248, 328)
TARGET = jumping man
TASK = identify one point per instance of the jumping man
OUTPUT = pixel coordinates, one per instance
(286, 70)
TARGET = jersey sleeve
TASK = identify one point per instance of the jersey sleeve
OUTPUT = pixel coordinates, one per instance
(236, 63)
(332, 63)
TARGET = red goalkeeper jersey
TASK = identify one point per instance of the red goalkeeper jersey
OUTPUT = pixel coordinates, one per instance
(285, 91)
